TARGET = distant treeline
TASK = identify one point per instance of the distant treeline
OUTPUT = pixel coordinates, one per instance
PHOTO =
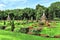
(53, 11)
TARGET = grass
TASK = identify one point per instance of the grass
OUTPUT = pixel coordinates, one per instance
(51, 31)
(8, 35)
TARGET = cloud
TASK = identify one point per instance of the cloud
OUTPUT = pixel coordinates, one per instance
(2, 6)
(13, 1)
(46, 3)
(13, 4)
(7, 4)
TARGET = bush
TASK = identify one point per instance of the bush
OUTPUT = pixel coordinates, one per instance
(36, 31)
(12, 25)
(41, 23)
(24, 30)
(56, 19)
(2, 27)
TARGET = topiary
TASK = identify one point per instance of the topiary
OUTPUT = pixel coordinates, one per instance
(12, 25)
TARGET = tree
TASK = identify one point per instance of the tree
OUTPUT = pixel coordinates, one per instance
(29, 12)
(54, 10)
(39, 11)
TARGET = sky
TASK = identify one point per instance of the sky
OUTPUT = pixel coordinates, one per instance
(20, 4)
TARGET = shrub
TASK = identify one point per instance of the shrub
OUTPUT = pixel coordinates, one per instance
(24, 30)
(4, 22)
(18, 23)
(4, 26)
(41, 23)
(36, 31)
(12, 25)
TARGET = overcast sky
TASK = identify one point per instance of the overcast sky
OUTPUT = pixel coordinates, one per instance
(14, 4)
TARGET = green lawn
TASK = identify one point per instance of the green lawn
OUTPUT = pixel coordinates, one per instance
(8, 35)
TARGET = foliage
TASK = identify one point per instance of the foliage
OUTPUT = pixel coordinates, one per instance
(53, 11)
(12, 25)
(41, 23)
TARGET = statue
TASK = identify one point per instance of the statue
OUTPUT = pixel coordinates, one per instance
(43, 18)
(44, 21)
(8, 18)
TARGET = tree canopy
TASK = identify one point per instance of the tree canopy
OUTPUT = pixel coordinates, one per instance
(53, 11)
